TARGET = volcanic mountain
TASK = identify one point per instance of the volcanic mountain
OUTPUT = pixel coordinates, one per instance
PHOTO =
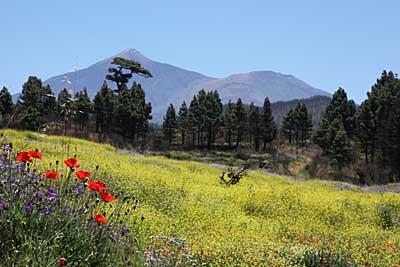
(172, 84)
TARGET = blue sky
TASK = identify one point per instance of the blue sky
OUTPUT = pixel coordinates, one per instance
(325, 43)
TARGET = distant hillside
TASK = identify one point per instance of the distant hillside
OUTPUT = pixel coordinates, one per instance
(171, 84)
(316, 105)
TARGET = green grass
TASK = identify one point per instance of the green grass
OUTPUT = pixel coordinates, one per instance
(262, 221)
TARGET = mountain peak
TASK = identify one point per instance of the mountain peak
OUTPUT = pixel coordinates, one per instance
(171, 84)
(130, 52)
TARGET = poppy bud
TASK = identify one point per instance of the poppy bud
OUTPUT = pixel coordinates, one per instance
(97, 167)
(57, 162)
(61, 261)
(142, 218)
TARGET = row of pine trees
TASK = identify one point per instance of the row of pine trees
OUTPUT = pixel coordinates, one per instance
(346, 132)
(206, 121)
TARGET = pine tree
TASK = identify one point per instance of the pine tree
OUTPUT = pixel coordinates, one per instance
(254, 125)
(183, 121)
(140, 111)
(229, 121)
(124, 71)
(6, 105)
(170, 124)
(34, 95)
(339, 112)
(303, 124)
(367, 122)
(30, 119)
(289, 125)
(104, 107)
(340, 151)
(240, 115)
(65, 107)
(268, 125)
(213, 116)
(49, 105)
(83, 108)
(194, 119)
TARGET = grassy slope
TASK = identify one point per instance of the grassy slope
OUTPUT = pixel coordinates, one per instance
(248, 222)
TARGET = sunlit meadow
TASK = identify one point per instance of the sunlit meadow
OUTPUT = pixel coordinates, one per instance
(185, 216)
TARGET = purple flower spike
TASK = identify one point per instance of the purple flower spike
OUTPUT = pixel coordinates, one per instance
(52, 192)
(79, 189)
(48, 209)
(124, 231)
(28, 208)
(66, 209)
(3, 205)
(40, 195)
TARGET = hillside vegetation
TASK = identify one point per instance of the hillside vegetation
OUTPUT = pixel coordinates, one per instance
(261, 221)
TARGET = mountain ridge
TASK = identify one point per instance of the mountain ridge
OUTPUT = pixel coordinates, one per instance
(171, 84)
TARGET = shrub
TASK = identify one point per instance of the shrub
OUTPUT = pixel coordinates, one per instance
(233, 175)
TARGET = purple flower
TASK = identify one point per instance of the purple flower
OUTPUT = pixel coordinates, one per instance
(66, 209)
(13, 180)
(40, 195)
(52, 192)
(124, 231)
(82, 210)
(79, 189)
(3, 205)
(48, 209)
(28, 208)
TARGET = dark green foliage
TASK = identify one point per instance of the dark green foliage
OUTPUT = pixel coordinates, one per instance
(340, 151)
(297, 125)
(213, 118)
(41, 100)
(49, 107)
(367, 127)
(254, 126)
(337, 128)
(83, 108)
(316, 105)
(289, 125)
(64, 103)
(240, 116)
(183, 121)
(303, 124)
(104, 106)
(205, 117)
(170, 124)
(378, 128)
(229, 121)
(30, 119)
(6, 105)
(267, 124)
(125, 70)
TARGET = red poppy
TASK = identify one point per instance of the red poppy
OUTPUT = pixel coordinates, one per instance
(107, 197)
(51, 174)
(24, 156)
(97, 186)
(35, 154)
(72, 163)
(100, 218)
(82, 175)
(61, 261)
